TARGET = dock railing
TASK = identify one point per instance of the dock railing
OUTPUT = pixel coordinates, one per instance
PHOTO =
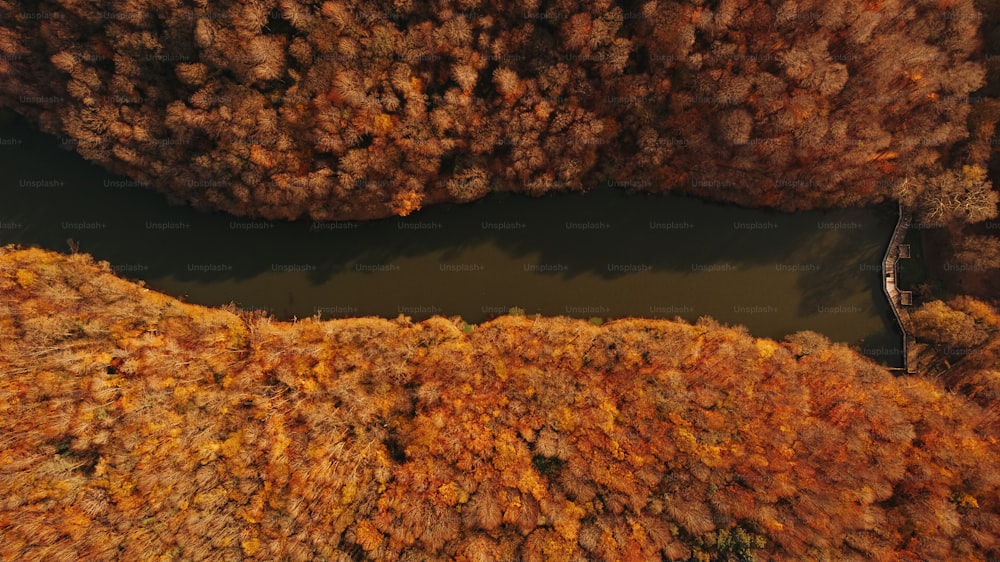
(890, 288)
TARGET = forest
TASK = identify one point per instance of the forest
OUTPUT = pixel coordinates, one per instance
(287, 109)
(138, 426)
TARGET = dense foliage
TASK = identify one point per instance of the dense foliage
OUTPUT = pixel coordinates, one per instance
(135, 426)
(341, 109)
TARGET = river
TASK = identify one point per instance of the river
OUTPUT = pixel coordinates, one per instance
(602, 254)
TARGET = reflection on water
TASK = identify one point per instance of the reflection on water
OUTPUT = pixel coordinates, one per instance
(600, 254)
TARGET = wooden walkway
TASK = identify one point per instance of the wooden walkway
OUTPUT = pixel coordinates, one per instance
(892, 292)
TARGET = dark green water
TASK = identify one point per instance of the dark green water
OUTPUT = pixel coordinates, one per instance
(600, 254)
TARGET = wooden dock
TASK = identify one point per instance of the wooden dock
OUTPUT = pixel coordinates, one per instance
(899, 300)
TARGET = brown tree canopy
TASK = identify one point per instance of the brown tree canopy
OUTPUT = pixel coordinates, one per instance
(803, 103)
(137, 426)
(340, 109)
(940, 324)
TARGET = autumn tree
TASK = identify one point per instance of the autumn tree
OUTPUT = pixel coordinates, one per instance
(810, 103)
(337, 110)
(231, 435)
(964, 196)
(937, 322)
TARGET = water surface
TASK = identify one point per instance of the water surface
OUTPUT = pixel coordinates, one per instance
(604, 253)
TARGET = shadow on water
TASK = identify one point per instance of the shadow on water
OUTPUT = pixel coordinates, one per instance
(602, 253)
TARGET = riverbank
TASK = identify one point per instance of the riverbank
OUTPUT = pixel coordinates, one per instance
(138, 425)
